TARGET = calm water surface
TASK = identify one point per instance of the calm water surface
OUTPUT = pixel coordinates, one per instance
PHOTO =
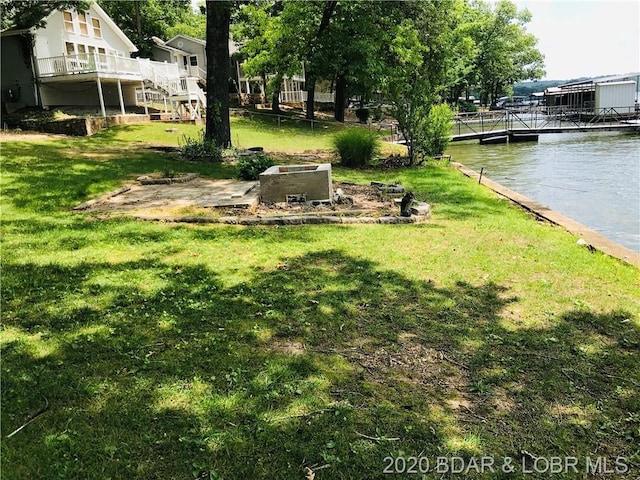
(593, 178)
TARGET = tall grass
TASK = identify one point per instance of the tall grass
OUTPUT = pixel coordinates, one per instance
(356, 147)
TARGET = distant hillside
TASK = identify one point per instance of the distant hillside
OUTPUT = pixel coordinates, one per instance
(527, 88)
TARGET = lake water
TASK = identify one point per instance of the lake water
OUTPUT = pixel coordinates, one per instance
(593, 178)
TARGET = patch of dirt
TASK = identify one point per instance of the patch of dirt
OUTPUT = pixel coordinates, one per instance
(413, 361)
(26, 136)
(366, 198)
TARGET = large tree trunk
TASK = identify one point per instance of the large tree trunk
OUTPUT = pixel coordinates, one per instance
(340, 100)
(217, 50)
(275, 101)
(310, 78)
(310, 86)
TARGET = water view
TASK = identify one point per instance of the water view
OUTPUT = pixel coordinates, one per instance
(593, 178)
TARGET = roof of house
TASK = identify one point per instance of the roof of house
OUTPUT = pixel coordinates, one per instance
(159, 43)
(114, 27)
(99, 11)
(233, 46)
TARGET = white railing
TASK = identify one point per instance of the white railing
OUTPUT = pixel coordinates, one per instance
(299, 96)
(195, 71)
(87, 63)
(161, 76)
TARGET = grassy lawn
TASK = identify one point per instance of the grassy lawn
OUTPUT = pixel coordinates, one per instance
(289, 135)
(166, 351)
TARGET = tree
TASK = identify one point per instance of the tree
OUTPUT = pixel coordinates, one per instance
(33, 13)
(304, 25)
(416, 77)
(506, 53)
(142, 19)
(217, 51)
(355, 42)
(266, 54)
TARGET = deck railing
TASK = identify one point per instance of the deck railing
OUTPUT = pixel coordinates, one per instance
(87, 63)
(300, 96)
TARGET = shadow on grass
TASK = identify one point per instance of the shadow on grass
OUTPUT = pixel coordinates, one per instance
(45, 177)
(154, 370)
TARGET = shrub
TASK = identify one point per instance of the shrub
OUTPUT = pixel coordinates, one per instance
(200, 149)
(438, 129)
(356, 147)
(362, 114)
(250, 167)
(467, 107)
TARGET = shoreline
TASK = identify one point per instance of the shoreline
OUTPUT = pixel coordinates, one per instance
(591, 237)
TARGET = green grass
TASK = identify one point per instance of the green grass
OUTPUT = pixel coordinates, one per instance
(291, 135)
(177, 351)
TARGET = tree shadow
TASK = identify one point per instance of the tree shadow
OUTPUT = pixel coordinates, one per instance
(159, 370)
(50, 177)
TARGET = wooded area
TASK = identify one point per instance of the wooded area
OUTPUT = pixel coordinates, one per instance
(410, 55)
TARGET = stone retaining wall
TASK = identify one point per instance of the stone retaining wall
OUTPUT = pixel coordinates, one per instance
(81, 127)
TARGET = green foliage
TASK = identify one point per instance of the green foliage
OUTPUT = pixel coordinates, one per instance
(200, 149)
(32, 13)
(250, 167)
(467, 107)
(143, 19)
(356, 147)
(437, 133)
(506, 53)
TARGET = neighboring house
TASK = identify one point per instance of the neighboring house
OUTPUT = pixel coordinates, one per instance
(187, 52)
(190, 55)
(84, 59)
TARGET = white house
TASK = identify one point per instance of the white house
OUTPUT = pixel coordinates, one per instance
(190, 55)
(84, 59)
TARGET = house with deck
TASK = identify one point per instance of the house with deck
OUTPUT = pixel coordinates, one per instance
(84, 59)
(190, 55)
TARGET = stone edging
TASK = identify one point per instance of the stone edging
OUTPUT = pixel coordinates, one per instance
(591, 237)
(289, 220)
(168, 181)
(106, 196)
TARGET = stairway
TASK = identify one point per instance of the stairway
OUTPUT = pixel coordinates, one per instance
(180, 92)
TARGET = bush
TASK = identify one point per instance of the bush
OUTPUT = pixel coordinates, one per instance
(250, 168)
(467, 107)
(356, 147)
(436, 133)
(362, 114)
(200, 149)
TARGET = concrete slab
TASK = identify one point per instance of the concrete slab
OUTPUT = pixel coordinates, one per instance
(199, 192)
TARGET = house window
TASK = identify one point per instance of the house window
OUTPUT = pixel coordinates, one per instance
(97, 31)
(71, 50)
(193, 61)
(68, 22)
(82, 49)
(101, 51)
(82, 20)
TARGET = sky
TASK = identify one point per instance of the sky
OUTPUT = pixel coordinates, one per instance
(586, 38)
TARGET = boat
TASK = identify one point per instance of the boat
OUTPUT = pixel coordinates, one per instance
(523, 137)
(493, 140)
